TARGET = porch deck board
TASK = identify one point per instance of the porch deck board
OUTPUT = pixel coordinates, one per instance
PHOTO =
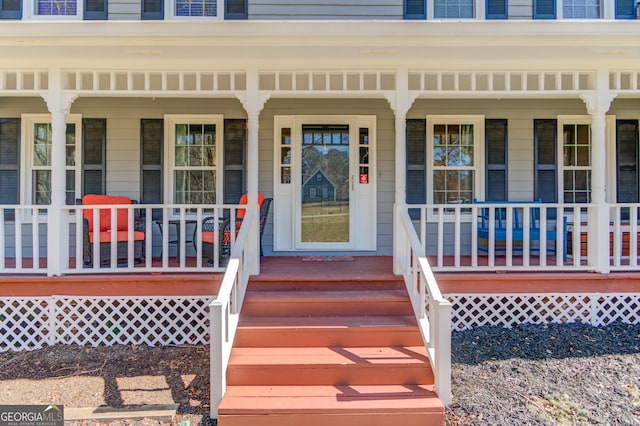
(283, 271)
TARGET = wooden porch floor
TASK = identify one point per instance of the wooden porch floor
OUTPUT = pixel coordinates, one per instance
(294, 268)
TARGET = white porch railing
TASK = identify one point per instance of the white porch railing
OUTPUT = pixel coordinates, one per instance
(432, 311)
(224, 310)
(23, 239)
(504, 236)
(171, 240)
(623, 235)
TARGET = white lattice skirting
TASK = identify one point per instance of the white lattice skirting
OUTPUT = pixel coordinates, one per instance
(28, 323)
(507, 310)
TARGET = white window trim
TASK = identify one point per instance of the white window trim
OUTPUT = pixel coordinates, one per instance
(170, 12)
(30, 8)
(562, 121)
(26, 153)
(170, 122)
(478, 154)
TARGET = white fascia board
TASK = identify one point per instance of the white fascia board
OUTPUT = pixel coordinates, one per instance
(321, 33)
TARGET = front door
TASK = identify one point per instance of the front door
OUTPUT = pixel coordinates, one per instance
(325, 183)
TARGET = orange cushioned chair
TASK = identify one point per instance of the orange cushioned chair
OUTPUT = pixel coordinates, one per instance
(105, 231)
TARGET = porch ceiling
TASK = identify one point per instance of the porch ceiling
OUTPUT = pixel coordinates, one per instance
(321, 44)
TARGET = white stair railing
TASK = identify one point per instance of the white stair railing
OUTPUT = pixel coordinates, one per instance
(433, 312)
(224, 310)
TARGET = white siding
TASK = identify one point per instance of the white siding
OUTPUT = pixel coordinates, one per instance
(124, 10)
(334, 9)
(520, 9)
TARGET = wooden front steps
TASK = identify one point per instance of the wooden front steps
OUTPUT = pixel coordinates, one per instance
(328, 352)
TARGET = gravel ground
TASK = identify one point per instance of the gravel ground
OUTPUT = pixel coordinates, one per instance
(528, 375)
(570, 374)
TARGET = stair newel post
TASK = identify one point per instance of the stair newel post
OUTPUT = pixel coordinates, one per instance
(442, 339)
(218, 326)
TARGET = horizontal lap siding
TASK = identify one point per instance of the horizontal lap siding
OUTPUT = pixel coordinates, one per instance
(124, 10)
(520, 9)
(385, 152)
(333, 9)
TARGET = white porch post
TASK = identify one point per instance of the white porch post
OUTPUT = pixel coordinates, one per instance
(253, 104)
(400, 105)
(597, 106)
(58, 105)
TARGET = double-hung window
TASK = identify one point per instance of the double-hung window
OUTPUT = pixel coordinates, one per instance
(194, 159)
(581, 9)
(453, 9)
(63, 9)
(455, 146)
(189, 9)
(56, 7)
(576, 159)
(36, 155)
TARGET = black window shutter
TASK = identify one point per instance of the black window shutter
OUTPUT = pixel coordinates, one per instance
(627, 177)
(94, 141)
(236, 9)
(416, 161)
(415, 9)
(235, 142)
(152, 10)
(9, 160)
(95, 9)
(544, 9)
(497, 9)
(151, 147)
(10, 9)
(496, 160)
(545, 160)
(625, 9)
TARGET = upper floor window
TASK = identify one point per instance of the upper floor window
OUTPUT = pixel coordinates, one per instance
(60, 9)
(56, 8)
(453, 9)
(581, 9)
(192, 9)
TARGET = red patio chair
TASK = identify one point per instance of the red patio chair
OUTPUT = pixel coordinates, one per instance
(104, 231)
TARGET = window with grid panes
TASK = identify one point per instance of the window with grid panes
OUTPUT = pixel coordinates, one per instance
(454, 147)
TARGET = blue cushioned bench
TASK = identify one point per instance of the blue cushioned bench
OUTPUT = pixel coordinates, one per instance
(517, 231)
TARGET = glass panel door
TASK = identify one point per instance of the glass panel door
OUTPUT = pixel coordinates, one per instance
(325, 201)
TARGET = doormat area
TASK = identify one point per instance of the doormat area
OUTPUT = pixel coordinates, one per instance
(327, 258)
